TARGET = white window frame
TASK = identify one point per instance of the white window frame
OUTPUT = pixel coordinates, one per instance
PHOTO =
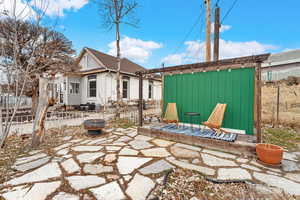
(150, 95)
(127, 80)
(74, 88)
(88, 85)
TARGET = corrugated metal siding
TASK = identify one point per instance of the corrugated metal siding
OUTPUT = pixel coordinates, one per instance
(200, 92)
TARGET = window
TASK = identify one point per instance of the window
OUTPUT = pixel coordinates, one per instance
(125, 87)
(150, 90)
(74, 88)
(92, 86)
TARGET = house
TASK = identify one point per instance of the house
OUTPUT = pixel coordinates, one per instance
(95, 81)
(281, 65)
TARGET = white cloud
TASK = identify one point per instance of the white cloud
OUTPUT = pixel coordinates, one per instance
(222, 29)
(57, 7)
(135, 49)
(22, 9)
(26, 8)
(195, 51)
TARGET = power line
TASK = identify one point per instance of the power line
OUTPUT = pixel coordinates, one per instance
(227, 13)
(190, 31)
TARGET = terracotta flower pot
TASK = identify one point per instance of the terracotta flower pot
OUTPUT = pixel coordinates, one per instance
(269, 153)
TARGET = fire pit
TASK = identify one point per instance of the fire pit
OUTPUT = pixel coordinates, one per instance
(94, 126)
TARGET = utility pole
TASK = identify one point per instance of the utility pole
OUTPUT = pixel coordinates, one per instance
(216, 33)
(208, 32)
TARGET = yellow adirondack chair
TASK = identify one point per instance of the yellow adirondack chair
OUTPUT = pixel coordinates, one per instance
(215, 119)
(171, 115)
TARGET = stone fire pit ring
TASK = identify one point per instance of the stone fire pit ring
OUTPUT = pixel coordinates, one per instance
(94, 126)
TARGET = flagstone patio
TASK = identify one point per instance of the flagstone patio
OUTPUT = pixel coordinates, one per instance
(125, 165)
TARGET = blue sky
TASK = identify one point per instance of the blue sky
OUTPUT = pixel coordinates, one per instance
(252, 27)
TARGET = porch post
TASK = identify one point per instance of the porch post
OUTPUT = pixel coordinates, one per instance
(258, 102)
(140, 99)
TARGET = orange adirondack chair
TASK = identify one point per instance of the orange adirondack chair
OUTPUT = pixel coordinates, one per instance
(215, 119)
(171, 115)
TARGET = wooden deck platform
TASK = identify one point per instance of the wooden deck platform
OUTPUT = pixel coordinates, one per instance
(244, 144)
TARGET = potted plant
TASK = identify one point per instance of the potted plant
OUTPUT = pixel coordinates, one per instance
(269, 153)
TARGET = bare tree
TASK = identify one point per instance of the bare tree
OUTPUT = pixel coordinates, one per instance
(31, 51)
(115, 13)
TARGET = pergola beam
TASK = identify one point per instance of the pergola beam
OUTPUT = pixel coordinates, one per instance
(216, 64)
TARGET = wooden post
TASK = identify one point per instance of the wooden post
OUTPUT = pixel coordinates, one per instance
(277, 113)
(258, 102)
(216, 33)
(208, 32)
(141, 99)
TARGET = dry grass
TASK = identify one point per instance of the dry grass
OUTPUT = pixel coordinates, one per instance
(289, 107)
(185, 184)
(284, 137)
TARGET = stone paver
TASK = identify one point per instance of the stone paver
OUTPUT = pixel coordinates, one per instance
(65, 196)
(111, 191)
(156, 152)
(294, 177)
(89, 157)
(110, 158)
(183, 152)
(220, 154)
(139, 187)
(156, 167)
(140, 144)
(290, 166)
(97, 169)
(142, 137)
(250, 167)
(127, 164)
(112, 148)
(62, 152)
(124, 139)
(23, 160)
(87, 148)
(290, 156)
(162, 143)
(287, 185)
(233, 174)
(186, 146)
(203, 170)
(38, 191)
(65, 145)
(127, 151)
(215, 161)
(70, 166)
(45, 172)
(83, 182)
(31, 165)
(242, 160)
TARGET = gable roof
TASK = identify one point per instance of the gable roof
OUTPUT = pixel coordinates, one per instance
(110, 62)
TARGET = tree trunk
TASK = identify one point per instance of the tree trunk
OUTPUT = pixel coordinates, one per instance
(40, 116)
(34, 99)
(119, 99)
(1, 125)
